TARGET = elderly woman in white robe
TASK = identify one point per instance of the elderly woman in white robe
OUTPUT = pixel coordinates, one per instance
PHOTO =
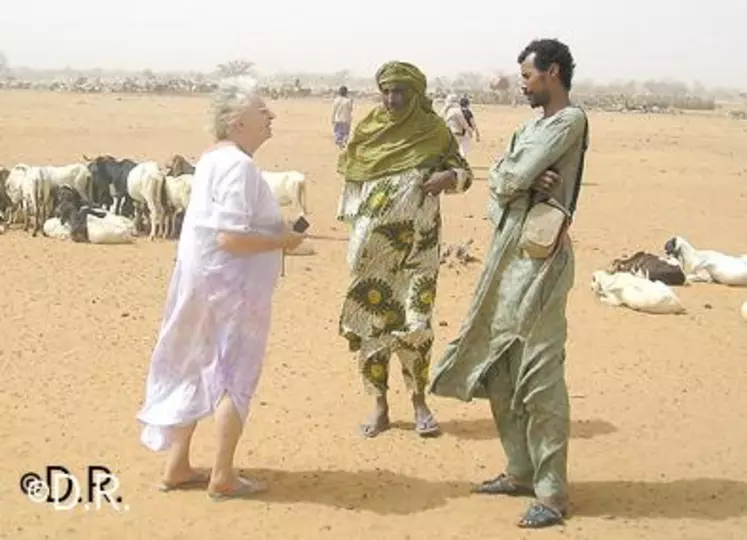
(212, 342)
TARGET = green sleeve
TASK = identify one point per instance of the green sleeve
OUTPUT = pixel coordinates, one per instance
(535, 151)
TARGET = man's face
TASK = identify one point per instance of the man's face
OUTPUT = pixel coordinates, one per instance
(534, 83)
(393, 97)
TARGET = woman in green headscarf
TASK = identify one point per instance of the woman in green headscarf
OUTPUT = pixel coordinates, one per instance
(400, 157)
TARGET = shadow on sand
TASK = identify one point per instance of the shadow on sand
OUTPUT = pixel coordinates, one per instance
(484, 429)
(380, 491)
(711, 499)
(387, 493)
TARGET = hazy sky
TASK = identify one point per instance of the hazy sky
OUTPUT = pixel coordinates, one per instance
(679, 39)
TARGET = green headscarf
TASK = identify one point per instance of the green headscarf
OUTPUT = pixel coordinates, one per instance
(383, 144)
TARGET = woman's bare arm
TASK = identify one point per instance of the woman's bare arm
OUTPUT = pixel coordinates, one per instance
(250, 244)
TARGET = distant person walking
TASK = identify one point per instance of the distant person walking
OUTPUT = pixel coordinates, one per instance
(342, 117)
(456, 122)
(469, 116)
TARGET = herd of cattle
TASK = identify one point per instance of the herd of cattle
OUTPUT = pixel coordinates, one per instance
(104, 198)
(154, 197)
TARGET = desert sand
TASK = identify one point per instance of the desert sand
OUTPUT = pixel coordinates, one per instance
(659, 438)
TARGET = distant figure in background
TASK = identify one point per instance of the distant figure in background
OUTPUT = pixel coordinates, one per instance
(342, 116)
(469, 116)
(456, 122)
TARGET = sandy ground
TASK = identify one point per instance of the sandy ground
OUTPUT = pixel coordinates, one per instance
(658, 449)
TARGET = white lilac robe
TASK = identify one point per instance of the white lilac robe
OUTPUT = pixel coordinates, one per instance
(217, 317)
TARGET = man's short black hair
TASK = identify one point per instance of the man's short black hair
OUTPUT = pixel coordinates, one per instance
(551, 51)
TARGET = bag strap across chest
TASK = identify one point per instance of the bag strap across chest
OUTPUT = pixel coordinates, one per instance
(571, 210)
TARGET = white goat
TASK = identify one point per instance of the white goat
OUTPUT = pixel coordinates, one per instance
(743, 311)
(637, 293)
(53, 228)
(14, 192)
(37, 198)
(708, 266)
(145, 185)
(178, 191)
(288, 188)
(76, 176)
(110, 229)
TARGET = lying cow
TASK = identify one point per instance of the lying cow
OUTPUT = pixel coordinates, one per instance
(92, 225)
(652, 267)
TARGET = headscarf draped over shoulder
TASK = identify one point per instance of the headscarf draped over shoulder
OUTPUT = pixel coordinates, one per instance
(383, 144)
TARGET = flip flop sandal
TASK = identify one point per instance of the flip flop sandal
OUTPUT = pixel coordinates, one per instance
(372, 429)
(540, 516)
(427, 427)
(503, 485)
(199, 481)
(245, 491)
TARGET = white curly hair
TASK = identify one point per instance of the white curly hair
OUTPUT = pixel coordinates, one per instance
(232, 97)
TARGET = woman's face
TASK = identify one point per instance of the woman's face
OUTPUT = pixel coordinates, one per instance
(254, 126)
(394, 97)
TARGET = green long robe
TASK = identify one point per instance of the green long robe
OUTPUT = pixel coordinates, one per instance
(511, 345)
(518, 301)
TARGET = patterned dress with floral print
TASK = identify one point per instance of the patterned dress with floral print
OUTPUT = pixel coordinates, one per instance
(394, 260)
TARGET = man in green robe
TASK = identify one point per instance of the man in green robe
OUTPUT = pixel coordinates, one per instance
(511, 346)
(400, 158)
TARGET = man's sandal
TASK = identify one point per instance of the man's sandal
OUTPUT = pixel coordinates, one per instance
(503, 485)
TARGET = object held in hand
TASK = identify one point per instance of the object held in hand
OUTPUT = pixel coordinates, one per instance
(300, 225)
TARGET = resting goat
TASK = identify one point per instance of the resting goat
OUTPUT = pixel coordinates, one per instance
(651, 267)
(93, 225)
(637, 293)
(707, 266)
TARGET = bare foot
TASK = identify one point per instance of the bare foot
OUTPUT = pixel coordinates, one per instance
(184, 479)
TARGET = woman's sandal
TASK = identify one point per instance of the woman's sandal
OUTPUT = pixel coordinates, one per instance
(540, 515)
(247, 489)
(427, 426)
(200, 480)
(503, 485)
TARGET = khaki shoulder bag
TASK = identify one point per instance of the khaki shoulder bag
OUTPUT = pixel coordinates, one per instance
(547, 219)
